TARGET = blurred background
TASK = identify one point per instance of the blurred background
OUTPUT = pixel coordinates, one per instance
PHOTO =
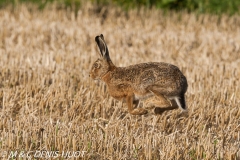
(198, 6)
(48, 102)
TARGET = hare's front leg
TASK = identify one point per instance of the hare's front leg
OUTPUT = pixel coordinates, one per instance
(136, 111)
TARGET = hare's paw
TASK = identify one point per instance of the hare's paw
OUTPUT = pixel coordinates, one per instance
(158, 110)
(139, 111)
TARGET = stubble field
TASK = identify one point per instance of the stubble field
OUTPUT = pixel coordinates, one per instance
(49, 103)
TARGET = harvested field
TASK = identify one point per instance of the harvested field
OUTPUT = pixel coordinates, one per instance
(49, 103)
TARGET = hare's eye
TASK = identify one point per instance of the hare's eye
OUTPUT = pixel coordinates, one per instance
(96, 65)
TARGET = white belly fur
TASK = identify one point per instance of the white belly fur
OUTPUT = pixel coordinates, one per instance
(143, 97)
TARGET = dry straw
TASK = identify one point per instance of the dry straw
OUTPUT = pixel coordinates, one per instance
(48, 102)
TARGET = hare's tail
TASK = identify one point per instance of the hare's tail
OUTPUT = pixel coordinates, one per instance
(181, 102)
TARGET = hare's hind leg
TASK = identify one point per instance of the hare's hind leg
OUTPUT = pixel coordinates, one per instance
(156, 101)
(136, 111)
(163, 101)
(162, 98)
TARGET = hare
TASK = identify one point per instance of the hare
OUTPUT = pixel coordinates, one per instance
(141, 81)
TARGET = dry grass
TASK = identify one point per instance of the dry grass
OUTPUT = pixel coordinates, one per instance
(48, 102)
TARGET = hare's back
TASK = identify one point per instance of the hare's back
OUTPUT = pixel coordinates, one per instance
(158, 69)
(164, 77)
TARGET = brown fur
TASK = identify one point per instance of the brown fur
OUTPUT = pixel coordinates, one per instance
(156, 81)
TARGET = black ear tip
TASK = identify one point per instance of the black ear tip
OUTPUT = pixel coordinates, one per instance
(101, 35)
(96, 38)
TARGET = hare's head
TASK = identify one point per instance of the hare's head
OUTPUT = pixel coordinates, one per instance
(103, 64)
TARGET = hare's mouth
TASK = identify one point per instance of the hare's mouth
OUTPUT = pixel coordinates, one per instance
(94, 78)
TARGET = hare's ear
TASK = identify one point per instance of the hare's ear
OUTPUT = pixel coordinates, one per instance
(102, 47)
